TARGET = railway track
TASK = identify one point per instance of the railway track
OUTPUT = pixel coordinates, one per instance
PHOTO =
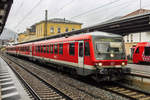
(37, 87)
(117, 89)
(131, 93)
(70, 91)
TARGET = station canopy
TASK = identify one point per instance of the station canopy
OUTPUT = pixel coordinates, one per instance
(5, 6)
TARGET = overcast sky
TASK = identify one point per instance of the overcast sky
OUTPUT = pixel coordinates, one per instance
(25, 13)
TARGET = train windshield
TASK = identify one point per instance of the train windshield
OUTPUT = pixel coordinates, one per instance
(109, 48)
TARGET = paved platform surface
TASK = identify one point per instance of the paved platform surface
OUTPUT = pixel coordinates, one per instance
(140, 69)
(11, 88)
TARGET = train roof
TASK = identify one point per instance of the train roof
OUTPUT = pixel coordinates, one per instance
(82, 36)
(101, 34)
(143, 44)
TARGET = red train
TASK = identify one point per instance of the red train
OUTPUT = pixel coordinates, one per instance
(142, 52)
(97, 54)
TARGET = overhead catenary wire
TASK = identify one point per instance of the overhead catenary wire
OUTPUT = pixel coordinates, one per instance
(107, 4)
(118, 11)
(27, 14)
(64, 6)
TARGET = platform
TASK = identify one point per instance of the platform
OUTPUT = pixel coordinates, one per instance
(10, 86)
(140, 69)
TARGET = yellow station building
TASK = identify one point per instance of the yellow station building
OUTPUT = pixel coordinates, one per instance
(54, 26)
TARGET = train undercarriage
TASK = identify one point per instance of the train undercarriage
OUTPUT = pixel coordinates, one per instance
(110, 74)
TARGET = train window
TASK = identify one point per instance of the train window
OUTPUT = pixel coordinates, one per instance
(51, 49)
(81, 49)
(137, 50)
(60, 48)
(28, 49)
(41, 48)
(87, 49)
(72, 48)
(44, 48)
(147, 51)
(47, 48)
(55, 49)
(38, 48)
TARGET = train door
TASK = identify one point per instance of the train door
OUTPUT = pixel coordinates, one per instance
(81, 54)
(136, 55)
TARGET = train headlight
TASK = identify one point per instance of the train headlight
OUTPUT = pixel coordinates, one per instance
(123, 63)
(111, 55)
(100, 64)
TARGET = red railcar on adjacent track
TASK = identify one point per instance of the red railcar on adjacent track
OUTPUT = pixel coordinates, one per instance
(97, 54)
(141, 52)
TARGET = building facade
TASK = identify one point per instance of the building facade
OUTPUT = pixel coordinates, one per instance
(55, 26)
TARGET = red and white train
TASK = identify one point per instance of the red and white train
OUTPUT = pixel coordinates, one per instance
(97, 54)
(141, 52)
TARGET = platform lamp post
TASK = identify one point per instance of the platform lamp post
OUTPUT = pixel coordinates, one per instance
(139, 13)
(45, 32)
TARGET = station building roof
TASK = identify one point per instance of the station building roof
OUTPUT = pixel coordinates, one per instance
(5, 6)
(60, 20)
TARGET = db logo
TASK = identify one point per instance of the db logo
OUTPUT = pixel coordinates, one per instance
(112, 63)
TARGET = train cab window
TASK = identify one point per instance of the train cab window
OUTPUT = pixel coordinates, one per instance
(47, 48)
(60, 48)
(87, 49)
(147, 51)
(44, 48)
(137, 50)
(51, 49)
(55, 49)
(72, 49)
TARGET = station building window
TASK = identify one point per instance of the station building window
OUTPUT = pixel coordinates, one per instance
(59, 30)
(72, 49)
(52, 29)
(60, 48)
(66, 30)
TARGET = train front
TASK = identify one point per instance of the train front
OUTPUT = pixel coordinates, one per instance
(110, 59)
